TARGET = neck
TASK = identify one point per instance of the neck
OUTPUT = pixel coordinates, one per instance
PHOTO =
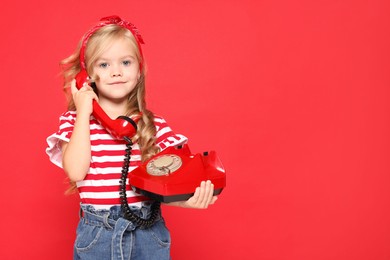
(113, 109)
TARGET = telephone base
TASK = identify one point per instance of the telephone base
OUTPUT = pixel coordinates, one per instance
(171, 198)
(182, 172)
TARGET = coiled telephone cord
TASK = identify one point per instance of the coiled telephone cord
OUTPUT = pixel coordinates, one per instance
(155, 208)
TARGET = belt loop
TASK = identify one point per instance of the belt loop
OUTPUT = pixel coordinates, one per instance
(105, 220)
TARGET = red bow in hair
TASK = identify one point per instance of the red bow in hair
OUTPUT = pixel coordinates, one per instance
(114, 19)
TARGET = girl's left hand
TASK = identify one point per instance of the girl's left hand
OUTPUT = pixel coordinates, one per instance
(203, 197)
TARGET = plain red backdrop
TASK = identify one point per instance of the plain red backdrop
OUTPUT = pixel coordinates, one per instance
(294, 96)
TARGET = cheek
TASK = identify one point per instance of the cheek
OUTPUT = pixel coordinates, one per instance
(134, 74)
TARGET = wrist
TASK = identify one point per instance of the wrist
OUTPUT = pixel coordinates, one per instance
(82, 114)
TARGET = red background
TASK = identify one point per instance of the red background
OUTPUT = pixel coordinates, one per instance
(294, 96)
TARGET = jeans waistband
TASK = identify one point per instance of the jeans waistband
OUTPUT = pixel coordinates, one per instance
(109, 218)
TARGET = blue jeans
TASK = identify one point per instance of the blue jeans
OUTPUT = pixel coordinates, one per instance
(106, 235)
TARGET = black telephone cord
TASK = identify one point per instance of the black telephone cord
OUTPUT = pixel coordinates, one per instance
(128, 214)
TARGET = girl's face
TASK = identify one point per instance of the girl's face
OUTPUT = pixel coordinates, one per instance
(117, 71)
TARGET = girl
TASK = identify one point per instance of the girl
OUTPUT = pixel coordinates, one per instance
(92, 158)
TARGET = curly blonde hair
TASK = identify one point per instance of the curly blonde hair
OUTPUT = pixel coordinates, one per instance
(96, 45)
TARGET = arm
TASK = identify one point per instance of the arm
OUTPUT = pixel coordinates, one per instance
(77, 153)
(203, 197)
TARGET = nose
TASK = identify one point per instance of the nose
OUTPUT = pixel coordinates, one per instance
(116, 71)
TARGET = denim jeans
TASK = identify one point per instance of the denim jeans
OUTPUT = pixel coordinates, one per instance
(106, 235)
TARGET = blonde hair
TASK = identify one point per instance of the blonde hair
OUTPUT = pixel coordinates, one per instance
(96, 45)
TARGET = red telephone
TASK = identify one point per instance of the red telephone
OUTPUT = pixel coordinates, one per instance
(175, 173)
(121, 127)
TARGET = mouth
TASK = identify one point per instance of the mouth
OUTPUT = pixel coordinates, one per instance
(117, 83)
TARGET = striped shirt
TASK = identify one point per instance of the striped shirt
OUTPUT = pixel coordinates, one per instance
(100, 187)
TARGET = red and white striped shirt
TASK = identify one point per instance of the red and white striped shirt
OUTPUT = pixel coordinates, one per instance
(100, 187)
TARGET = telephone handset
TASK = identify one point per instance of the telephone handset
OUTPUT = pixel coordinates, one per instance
(122, 127)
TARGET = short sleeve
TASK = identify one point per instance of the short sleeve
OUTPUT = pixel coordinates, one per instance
(66, 124)
(165, 136)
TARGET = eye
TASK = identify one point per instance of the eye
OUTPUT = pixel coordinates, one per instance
(126, 62)
(103, 65)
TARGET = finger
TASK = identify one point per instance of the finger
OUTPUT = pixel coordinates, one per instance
(213, 200)
(94, 95)
(87, 86)
(194, 199)
(202, 196)
(96, 98)
(210, 193)
(74, 88)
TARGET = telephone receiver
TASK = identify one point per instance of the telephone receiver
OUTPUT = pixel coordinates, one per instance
(122, 127)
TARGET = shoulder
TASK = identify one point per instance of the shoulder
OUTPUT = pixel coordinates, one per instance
(159, 119)
(68, 115)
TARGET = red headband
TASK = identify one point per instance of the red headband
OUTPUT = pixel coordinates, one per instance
(106, 21)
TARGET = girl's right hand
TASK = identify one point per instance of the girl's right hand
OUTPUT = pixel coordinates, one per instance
(76, 158)
(83, 97)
